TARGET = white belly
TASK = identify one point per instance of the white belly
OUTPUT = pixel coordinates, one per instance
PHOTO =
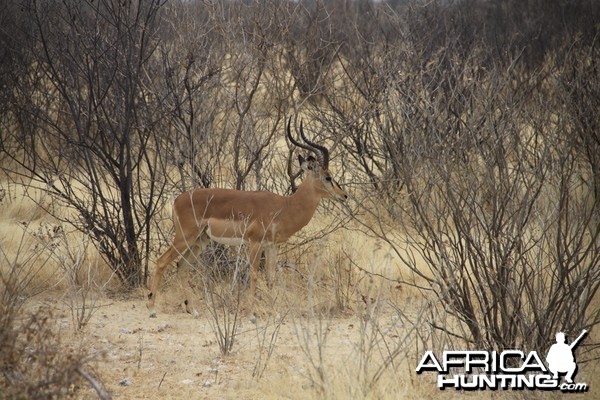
(227, 241)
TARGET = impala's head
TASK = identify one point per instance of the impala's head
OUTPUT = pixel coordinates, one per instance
(318, 167)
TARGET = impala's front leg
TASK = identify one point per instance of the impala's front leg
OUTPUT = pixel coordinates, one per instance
(161, 264)
(270, 263)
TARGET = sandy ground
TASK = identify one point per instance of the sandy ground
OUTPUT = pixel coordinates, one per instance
(177, 356)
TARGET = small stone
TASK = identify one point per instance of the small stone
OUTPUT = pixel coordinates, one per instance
(125, 382)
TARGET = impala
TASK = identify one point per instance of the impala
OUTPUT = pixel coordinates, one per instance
(259, 219)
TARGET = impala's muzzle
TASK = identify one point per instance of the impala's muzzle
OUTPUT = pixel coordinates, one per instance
(335, 191)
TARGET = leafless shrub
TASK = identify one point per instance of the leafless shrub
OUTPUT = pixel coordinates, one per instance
(223, 294)
(312, 335)
(84, 287)
(493, 189)
(92, 156)
(375, 353)
(21, 270)
(267, 334)
(481, 152)
(344, 279)
(34, 362)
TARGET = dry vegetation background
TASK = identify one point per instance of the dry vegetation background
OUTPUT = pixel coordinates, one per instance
(466, 132)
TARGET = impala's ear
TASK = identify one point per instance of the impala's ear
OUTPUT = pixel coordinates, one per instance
(307, 164)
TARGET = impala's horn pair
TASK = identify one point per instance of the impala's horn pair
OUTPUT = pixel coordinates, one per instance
(320, 151)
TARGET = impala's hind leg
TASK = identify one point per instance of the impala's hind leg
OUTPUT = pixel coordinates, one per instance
(180, 246)
(186, 275)
(256, 249)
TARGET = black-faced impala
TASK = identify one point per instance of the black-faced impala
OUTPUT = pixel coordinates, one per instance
(262, 220)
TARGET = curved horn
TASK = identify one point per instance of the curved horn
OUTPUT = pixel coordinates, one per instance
(322, 149)
(295, 142)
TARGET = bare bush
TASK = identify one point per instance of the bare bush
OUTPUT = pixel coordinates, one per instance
(80, 124)
(487, 173)
(34, 362)
(84, 287)
(21, 270)
(377, 349)
(223, 295)
(267, 334)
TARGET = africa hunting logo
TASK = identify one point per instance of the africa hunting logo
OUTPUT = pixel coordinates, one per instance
(509, 369)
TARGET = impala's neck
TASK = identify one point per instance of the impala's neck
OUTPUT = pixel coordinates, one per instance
(301, 206)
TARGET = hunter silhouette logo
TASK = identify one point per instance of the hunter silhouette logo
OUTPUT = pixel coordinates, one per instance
(509, 369)
(560, 356)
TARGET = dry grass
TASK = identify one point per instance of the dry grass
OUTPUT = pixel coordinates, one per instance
(335, 326)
